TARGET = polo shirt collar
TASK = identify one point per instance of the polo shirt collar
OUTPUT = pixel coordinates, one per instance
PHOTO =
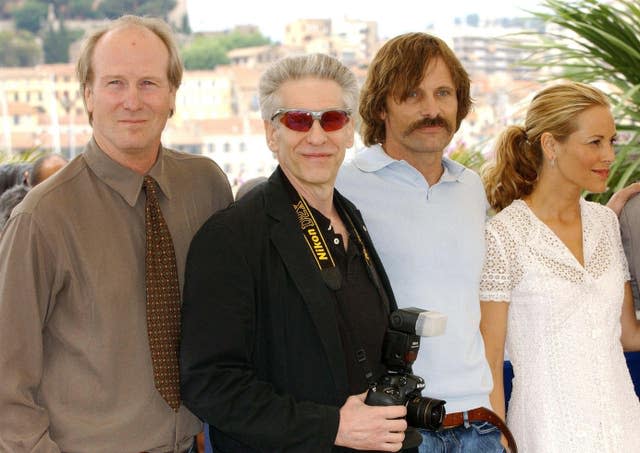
(123, 180)
(374, 158)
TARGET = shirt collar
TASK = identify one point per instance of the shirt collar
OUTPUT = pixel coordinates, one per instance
(374, 158)
(121, 179)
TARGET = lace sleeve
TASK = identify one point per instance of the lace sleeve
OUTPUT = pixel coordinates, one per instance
(619, 249)
(496, 280)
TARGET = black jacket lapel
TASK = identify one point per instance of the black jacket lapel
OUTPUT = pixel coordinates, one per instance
(306, 275)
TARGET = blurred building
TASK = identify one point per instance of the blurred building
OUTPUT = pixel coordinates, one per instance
(352, 41)
(217, 111)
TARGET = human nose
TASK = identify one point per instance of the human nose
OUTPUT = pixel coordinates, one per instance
(316, 135)
(609, 153)
(132, 98)
(429, 107)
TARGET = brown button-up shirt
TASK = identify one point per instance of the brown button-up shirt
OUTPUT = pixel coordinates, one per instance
(75, 369)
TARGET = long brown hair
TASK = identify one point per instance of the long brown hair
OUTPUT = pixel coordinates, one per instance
(397, 69)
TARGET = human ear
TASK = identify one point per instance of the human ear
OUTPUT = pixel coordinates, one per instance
(270, 133)
(549, 145)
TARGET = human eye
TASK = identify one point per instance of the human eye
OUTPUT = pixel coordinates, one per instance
(412, 95)
(595, 142)
(114, 82)
(443, 92)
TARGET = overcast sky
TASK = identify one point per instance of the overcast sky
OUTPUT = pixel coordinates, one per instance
(393, 16)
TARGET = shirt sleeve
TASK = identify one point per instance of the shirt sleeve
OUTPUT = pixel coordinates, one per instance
(620, 231)
(219, 382)
(496, 280)
(26, 273)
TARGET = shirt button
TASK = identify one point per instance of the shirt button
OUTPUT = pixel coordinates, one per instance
(336, 241)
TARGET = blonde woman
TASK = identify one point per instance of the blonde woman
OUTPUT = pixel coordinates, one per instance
(555, 286)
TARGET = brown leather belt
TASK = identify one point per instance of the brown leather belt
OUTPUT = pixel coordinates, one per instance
(480, 414)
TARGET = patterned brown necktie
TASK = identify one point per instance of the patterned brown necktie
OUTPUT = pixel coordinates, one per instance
(163, 299)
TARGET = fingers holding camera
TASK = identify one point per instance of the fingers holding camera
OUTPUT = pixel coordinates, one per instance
(364, 427)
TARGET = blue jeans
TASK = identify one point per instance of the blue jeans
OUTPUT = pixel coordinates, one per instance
(479, 437)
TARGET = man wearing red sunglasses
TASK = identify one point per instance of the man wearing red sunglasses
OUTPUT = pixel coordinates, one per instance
(286, 302)
(426, 215)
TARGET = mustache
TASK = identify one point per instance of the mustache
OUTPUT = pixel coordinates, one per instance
(428, 122)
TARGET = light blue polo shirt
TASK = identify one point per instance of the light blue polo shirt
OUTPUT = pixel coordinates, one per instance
(431, 242)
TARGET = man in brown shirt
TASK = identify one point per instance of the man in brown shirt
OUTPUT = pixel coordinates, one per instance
(75, 367)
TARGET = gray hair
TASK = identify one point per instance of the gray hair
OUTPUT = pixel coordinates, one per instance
(317, 65)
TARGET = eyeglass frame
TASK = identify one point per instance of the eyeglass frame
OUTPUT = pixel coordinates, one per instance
(316, 115)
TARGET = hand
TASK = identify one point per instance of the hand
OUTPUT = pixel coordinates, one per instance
(364, 427)
(618, 199)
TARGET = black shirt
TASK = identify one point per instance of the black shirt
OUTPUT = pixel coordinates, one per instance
(361, 313)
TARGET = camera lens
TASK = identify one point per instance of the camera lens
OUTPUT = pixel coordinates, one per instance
(427, 413)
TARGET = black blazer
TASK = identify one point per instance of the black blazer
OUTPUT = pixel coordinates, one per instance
(261, 356)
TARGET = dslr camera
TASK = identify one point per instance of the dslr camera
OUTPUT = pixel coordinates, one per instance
(398, 385)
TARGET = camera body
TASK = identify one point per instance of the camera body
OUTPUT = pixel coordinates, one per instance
(398, 386)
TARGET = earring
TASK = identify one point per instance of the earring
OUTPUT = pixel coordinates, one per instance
(552, 161)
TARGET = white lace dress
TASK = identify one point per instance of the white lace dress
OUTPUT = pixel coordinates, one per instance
(572, 391)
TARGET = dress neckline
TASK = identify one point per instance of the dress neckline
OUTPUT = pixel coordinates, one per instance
(549, 232)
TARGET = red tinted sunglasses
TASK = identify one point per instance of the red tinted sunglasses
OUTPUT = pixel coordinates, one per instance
(301, 120)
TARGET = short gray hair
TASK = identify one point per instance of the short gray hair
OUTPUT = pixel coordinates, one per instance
(317, 65)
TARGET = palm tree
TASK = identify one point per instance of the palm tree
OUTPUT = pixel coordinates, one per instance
(594, 42)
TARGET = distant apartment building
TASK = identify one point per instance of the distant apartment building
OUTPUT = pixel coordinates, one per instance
(490, 48)
(354, 42)
(258, 56)
(217, 111)
(41, 107)
(203, 95)
(217, 114)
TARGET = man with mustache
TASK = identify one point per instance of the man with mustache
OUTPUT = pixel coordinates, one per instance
(426, 215)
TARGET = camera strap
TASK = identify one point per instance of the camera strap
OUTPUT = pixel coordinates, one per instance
(316, 243)
(317, 246)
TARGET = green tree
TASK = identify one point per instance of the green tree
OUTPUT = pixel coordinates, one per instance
(237, 40)
(207, 52)
(56, 43)
(115, 8)
(156, 8)
(30, 16)
(469, 157)
(81, 9)
(204, 53)
(599, 42)
(185, 27)
(19, 49)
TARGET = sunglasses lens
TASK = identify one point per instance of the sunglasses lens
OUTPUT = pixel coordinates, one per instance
(297, 121)
(301, 121)
(333, 120)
